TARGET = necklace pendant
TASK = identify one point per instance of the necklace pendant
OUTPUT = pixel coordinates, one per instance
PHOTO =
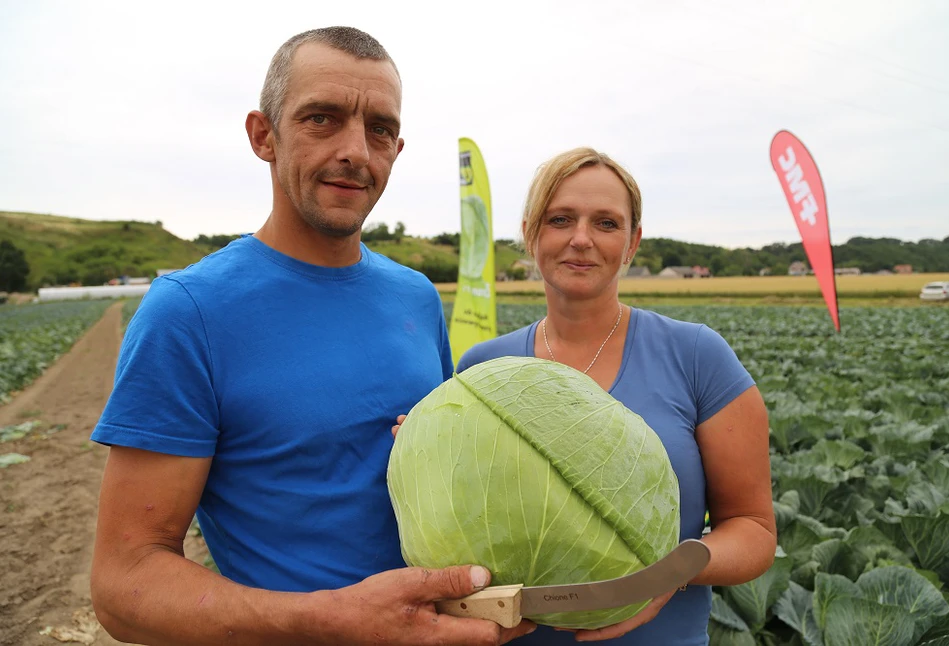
(619, 317)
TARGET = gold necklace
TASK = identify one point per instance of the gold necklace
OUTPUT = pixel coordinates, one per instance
(619, 317)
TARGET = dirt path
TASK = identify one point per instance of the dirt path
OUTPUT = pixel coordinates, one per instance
(48, 505)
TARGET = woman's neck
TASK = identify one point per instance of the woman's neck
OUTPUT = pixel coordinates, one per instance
(580, 322)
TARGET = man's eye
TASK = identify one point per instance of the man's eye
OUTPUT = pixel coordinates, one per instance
(382, 131)
(318, 118)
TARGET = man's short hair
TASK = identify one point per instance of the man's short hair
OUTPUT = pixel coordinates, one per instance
(346, 39)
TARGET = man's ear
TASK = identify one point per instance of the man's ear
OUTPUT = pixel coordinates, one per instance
(261, 135)
(401, 146)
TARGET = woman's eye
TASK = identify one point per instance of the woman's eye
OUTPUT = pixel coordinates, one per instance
(608, 224)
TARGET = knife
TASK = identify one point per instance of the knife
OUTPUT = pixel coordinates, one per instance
(506, 604)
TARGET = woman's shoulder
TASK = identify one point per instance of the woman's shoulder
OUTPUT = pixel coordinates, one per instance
(512, 344)
(690, 342)
(654, 322)
(684, 335)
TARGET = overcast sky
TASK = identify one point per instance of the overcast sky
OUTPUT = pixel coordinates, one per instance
(133, 110)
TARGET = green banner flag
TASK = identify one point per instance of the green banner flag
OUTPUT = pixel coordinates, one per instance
(474, 315)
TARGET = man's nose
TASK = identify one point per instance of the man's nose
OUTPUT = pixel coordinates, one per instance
(353, 147)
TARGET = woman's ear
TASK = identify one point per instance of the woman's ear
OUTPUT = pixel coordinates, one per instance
(634, 244)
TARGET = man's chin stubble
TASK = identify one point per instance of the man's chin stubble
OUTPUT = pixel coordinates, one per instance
(332, 229)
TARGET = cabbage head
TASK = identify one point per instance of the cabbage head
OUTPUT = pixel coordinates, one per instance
(528, 467)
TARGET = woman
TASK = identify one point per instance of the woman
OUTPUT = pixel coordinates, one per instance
(582, 226)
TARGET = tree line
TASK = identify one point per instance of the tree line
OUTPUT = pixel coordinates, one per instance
(868, 254)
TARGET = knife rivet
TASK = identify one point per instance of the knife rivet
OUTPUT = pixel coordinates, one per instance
(501, 603)
(464, 606)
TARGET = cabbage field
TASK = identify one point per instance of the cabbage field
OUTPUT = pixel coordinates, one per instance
(32, 337)
(859, 436)
(860, 465)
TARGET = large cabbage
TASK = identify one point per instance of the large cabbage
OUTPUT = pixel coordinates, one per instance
(529, 468)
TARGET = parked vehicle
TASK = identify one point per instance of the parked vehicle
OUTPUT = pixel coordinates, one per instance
(938, 291)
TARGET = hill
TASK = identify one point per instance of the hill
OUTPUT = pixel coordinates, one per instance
(64, 250)
(61, 250)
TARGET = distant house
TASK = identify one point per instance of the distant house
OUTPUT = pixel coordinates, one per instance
(903, 269)
(677, 272)
(529, 266)
(797, 268)
(129, 280)
(638, 272)
(701, 272)
(847, 271)
(766, 271)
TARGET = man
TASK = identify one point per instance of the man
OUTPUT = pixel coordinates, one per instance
(257, 387)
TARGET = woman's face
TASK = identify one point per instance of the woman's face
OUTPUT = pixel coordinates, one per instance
(585, 235)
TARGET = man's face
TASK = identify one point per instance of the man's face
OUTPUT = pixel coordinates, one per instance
(338, 137)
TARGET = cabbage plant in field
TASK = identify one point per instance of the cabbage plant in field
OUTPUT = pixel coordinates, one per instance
(529, 468)
(33, 336)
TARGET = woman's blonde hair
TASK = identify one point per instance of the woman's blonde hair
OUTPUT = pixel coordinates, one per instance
(551, 174)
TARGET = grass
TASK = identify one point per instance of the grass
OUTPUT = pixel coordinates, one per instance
(53, 243)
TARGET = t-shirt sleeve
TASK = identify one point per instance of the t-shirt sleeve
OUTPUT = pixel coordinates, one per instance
(719, 375)
(472, 357)
(163, 399)
(448, 368)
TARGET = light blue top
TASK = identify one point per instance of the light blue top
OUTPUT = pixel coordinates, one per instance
(675, 375)
(289, 376)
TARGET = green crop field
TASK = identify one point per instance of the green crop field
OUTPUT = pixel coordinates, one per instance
(860, 467)
(32, 337)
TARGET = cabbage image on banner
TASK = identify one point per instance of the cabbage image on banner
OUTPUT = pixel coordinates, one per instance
(475, 239)
(528, 467)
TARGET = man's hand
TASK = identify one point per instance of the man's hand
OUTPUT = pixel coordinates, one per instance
(645, 615)
(398, 424)
(397, 607)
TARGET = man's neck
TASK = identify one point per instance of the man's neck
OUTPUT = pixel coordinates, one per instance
(300, 241)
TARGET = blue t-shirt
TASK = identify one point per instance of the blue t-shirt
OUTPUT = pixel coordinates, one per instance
(290, 376)
(675, 375)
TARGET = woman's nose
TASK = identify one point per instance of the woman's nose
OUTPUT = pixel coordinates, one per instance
(581, 236)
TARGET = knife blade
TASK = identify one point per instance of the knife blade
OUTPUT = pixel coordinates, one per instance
(506, 604)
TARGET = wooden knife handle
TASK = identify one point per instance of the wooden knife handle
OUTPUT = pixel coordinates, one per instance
(500, 604)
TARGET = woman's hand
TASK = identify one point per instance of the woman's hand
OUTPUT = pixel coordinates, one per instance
(398, 424)
(645, 615)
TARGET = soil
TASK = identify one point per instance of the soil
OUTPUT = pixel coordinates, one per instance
(48, 505)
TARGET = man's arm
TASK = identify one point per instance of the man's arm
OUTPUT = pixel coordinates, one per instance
(143, 588)
(145, 591)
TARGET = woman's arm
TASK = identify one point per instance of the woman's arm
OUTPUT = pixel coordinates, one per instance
(734, 448)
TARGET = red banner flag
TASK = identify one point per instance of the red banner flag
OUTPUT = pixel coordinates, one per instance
(804, 191)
